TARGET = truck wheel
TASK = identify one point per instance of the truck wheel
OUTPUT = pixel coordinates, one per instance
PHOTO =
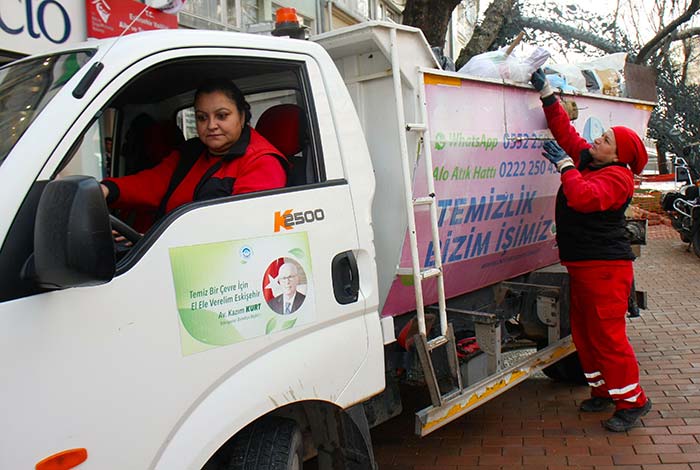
(268, 444)
(567, 370)
(696, 243)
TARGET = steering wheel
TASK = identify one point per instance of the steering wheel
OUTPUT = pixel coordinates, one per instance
(122, 227)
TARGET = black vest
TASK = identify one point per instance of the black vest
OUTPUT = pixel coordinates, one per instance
(591, 236)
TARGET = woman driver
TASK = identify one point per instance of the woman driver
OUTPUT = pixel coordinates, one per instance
(229, 157)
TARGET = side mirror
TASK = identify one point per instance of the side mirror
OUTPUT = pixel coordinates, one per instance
(73, 243)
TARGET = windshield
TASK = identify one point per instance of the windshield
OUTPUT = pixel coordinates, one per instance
(27, 86)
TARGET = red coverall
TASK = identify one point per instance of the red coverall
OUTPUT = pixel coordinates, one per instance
(599, 287)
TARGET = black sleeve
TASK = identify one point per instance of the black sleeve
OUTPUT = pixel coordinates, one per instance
(585, 159)
(549, 100)
(113, 191)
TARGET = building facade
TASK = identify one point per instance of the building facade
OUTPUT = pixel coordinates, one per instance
(36, 26)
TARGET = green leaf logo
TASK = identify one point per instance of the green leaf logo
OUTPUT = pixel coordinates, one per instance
(288, 324)
(439, 141)
(270, 325)
(297, 252)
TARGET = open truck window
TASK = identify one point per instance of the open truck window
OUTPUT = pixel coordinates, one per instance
(144, 121)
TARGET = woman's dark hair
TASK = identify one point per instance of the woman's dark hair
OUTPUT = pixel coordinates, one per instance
(228, 88)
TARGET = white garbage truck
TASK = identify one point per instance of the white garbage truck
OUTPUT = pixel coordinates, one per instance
(418, 216)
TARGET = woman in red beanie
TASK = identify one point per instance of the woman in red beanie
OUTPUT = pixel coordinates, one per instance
(596, 187)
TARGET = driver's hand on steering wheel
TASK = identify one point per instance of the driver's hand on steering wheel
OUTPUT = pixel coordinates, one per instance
(121, 239)
(118, 237)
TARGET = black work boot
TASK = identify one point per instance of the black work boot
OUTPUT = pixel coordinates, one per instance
(595, 404)
(622, 420)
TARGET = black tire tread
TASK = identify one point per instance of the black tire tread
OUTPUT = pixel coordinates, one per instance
(567, 370)
(696, 243)
(266, 444)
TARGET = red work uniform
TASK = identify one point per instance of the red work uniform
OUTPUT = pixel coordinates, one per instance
(252, 164)
(594, 247)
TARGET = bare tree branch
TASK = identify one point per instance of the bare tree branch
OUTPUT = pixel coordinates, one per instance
(651, 46)
(685, 34)
(684, 66)
(569, 32)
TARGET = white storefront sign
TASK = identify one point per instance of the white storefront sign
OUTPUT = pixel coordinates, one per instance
(35, 26)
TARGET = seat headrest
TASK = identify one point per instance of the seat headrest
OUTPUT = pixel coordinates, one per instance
(161, 138)
(281, 125)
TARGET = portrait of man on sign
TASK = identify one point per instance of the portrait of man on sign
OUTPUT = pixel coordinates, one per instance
(288, 278)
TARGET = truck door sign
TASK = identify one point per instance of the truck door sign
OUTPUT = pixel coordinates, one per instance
(233, 291)
(289, 219)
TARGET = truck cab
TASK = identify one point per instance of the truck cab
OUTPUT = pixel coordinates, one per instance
(156, 354)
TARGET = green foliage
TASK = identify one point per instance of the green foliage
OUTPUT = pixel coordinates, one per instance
(675, 122)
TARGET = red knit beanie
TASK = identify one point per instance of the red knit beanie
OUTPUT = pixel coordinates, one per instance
(630, 149)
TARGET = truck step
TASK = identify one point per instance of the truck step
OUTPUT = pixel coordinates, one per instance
(453, 405)
(424, 273)
(424, 201)
(416, 126)
(437, 342)
(424, 348)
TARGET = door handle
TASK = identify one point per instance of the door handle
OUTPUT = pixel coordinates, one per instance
(346, 278)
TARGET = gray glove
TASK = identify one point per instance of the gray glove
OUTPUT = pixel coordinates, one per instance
(540, 83)
(556, 155)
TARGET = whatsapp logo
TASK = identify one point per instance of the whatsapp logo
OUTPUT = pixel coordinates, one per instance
(439, 141)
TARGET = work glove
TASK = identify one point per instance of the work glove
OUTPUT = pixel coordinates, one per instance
(556, 155)
(540, 83)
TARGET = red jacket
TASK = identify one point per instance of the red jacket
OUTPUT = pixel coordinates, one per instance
(587, 190)
(591, 201)
(252, 164)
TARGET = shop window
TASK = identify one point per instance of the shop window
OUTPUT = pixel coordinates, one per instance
(210, 9)
(387, 11)
(227, 14)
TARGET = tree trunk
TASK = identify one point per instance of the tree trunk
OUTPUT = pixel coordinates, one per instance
(661, 160)
(487, 32)
(431, 16)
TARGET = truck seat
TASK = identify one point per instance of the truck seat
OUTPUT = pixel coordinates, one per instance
(284, 126)
(148, 141)
(161, 138)
(150, 144)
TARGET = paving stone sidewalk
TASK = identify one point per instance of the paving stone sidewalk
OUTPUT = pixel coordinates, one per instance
(537, 425)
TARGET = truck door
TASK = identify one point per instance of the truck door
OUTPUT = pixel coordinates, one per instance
(187, 344)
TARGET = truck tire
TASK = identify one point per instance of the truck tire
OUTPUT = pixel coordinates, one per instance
(696, 243)
(567, 370)
(268, 444)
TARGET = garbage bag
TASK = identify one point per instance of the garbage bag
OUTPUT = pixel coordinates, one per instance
(559, 82)
(569, 72)
(499, 65)
(605, 74)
